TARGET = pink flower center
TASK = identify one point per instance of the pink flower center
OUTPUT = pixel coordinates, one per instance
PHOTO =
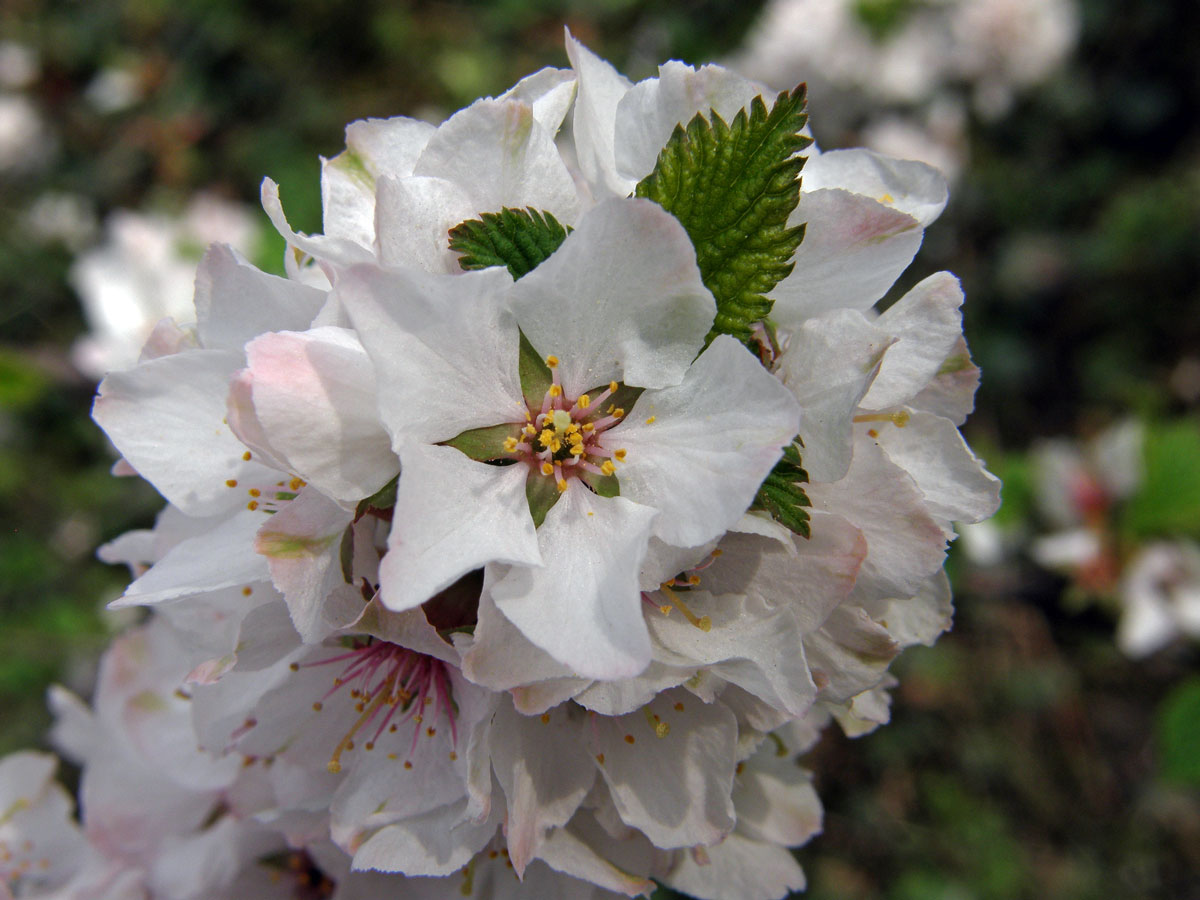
(388, 685)
(566, 436)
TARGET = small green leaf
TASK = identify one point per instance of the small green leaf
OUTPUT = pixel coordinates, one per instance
(384, 498)
(782, 494)
(542, 493)
(485, 444)
(603, 485)
(518, 239)
(536, 377)
(733, 187)
(1179, 733)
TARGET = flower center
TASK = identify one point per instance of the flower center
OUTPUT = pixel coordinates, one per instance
(388, 685)
(565, 437)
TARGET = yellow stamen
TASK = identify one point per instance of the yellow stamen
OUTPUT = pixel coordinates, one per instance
(556, 390)
(608, 468)
(704, 623)
(584, 401)
(232, 482)
(619, 455)
(899, 418)
(552, 360)
(547, 469)
(612, 387)
(252, 505)
(577, 450)
(254, 492)
(296, 483)
(246, 456)
(589, 427)
(561, 485)
(652, 420)
(510, 445)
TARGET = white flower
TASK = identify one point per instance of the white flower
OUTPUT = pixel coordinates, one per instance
(1160, 597)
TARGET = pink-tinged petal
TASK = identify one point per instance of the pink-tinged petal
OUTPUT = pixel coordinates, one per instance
(673, 780)
(620, 300)
(854, 249)
(235, 302)
(951, 393)
(738, 869)
(549, 91)
(302, 543)
(956, 485)
(167, 418)
(544, 771)
(582, 605)
(648, 113)
(501, 156)
(600, 89)
(905, 543)
(927, 324)
(775, 799)
(453, 515)
(315, 398)
(444, 349)
(188, 567)
(412, 218)
(849, 654)
(698, 451)
(911, 187)
(829, 365)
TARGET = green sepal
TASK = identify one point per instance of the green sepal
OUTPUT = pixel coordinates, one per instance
(485, 444)
(732, 187)
(542, 493)
(536, 376)
(603, 485)
(782, 493)
(346, 555)
(518, 239)
(384, 498)
(624, 397)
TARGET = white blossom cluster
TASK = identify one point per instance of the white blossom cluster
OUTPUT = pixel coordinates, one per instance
(915, 67)
(496, 676)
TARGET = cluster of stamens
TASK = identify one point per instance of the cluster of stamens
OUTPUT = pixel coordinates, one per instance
(684, 582)
(388, 686)
(563, 438)
(269, 498)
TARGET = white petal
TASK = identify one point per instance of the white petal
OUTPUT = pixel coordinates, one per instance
(412, 218)
(502, 157)
(829, 365)
(388, 146)
(699, 451)
(739, 869)
(952, 478)
(905, 544)
(582, 605)
(500, 657)
(188, 568)
(911, 187)
(651, 109)
(436, 843)
(235, 302)
(951, 393)
(445, 352)
(600, 89)
(452, 515)
(166, 417)
(673, 780)
(928, 324)
(315, 398)
(545, 772)
(620, 300)
(854, 249)
(849, 654)
(775, 799)
(347, 200)
(328, 248)
(549, 91)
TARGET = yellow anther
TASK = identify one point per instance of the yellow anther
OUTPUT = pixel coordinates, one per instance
(577, 450)
(252, 505)
(232, 482)
(547, 469)
(573, 428)
(555, 445)
(530, 430)
(296, 483)
(608, 468)
(619, 455)
(510, 445)
(693, 580)
(556, 390)
(899, 418)
(652, 420)
(254, 492)
(552, 360)
(704, 623)
(612, 387)
(574, 438)
(246, 456)
(589, 427)
(887, 198)
(584, 401)
(618, 413)
(561, 485)
(546, 436)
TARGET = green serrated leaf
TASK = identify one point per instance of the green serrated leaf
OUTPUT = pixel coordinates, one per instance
(518, 239)
(485, 444)
(536, 377)
(542, 493)
(384, 498)
(782, 493)
(733, 187)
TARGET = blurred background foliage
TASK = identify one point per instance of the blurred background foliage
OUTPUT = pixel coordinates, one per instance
(1027, 757)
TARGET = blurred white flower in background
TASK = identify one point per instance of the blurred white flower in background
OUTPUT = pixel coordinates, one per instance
(144, 272)
(1160, 594)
